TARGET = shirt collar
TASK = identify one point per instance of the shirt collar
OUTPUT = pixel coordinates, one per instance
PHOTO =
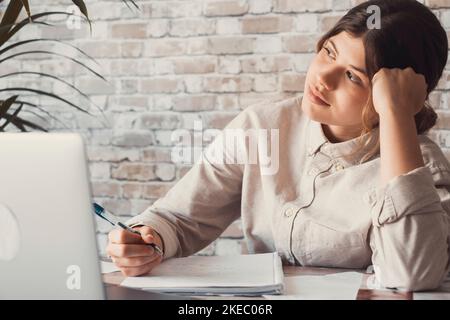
(318, 141)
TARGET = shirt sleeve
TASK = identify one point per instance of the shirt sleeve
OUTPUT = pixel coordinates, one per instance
(410, 229)
(203, 203)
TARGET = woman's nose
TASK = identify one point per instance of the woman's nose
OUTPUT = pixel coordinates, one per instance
(326, 80)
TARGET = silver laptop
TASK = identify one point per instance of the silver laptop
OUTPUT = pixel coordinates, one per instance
(48, 247)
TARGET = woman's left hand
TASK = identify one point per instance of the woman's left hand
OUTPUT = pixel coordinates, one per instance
(402, 91)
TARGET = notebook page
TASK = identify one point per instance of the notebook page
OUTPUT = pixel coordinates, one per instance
(337, 286)
(212, 271)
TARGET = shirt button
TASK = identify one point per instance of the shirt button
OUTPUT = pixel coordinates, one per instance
(289, 212)
(339, 167)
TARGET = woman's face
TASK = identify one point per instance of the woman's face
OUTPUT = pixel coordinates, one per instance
(337, 74)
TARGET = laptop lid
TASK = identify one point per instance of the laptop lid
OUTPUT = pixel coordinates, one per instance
(48, 247)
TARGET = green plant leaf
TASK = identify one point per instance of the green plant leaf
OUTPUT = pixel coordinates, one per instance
(6, 104)
(34, 114)
(21, 123)
(12, 12)
(45, 93)
(56, 54)
(134, 3)
(30, 124)
(10, 16)
(8, 26)
(46, 75)
(26, 5)
(41, 109)
(125, 1)
(16, 44)
(9, 118)
(5, 36)
(80, 4)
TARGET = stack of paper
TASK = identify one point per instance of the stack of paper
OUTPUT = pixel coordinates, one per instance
(255, 274)
(337, 286)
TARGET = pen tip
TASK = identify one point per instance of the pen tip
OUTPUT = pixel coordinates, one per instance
(98, 208)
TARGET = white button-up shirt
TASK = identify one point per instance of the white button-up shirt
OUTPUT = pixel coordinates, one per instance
(319, 208)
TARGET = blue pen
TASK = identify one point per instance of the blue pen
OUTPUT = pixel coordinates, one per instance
(104, 214)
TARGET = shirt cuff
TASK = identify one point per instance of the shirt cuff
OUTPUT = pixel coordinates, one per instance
(162, 227)
(405, 194)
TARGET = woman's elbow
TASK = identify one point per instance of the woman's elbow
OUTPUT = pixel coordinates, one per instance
(424, 278)
(430, 282)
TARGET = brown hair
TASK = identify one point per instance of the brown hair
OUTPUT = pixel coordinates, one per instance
(410, 36)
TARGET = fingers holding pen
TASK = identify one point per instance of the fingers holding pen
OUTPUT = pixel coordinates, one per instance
(130, 250)
(120, 236)
(133, 271)
(134, 253)
(134, 262)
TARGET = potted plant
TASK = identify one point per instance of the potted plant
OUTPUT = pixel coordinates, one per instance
(10, 25)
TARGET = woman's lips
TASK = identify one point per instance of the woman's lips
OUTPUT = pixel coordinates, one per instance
(315, 99)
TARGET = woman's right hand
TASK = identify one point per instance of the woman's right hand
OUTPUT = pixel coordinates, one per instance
(131, 252)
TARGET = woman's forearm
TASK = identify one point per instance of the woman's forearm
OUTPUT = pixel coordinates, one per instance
(410, 240)
(399, 146)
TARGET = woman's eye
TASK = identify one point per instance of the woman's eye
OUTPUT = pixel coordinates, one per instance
(352, 77)
(328, 51)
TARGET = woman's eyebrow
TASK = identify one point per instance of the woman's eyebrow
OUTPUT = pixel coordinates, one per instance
(362, 70)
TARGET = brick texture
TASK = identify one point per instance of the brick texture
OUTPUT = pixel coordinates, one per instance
(173, 63)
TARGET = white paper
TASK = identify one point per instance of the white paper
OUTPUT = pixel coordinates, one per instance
(245, 271)
(337, 286)
(108, 267)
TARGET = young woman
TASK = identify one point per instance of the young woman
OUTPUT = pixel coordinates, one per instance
(358, 182)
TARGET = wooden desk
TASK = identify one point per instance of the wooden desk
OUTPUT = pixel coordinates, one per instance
(364, 292)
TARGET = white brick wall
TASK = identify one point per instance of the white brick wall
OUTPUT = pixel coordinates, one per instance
(174, 62)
